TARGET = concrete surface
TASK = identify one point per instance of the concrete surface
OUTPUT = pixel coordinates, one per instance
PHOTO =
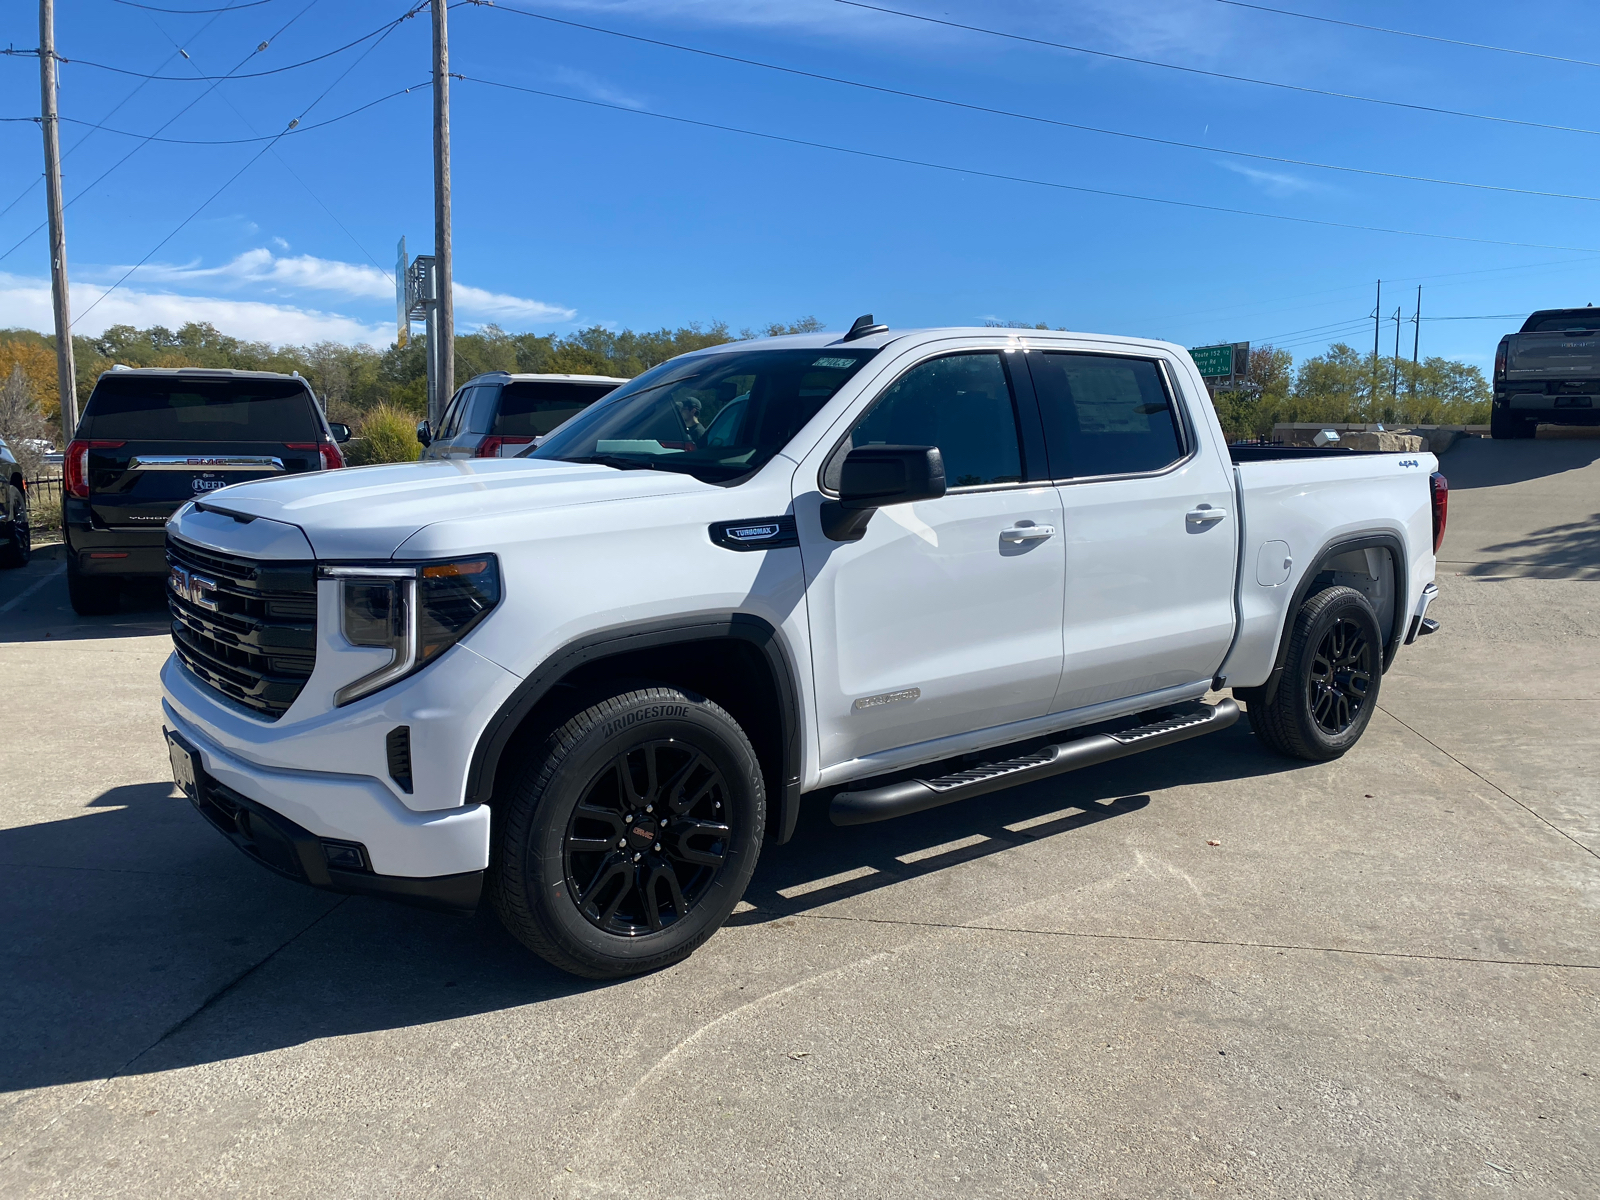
(1383, 980)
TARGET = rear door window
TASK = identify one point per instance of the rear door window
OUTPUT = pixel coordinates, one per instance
(961, 403)
(158, 408)
(532, 409)
(1104, 415)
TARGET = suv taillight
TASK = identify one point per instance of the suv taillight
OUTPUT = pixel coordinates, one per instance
(328, 451)
(1440, 487)
(75, 464)
(490, 446)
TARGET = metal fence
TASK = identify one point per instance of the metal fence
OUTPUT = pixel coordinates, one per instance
(44, 502)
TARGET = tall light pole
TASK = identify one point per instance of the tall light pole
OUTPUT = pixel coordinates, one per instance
(446, 320)
(66, 374)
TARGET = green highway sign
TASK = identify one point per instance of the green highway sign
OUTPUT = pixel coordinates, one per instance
(1215, 362)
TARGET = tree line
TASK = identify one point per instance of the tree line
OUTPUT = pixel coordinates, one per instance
(359, 381)
(1345, 385)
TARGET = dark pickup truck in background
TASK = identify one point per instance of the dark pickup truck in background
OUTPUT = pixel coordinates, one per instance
(154, 438)
(1548, 372)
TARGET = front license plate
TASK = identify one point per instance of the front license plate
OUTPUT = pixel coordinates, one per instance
(187, 770)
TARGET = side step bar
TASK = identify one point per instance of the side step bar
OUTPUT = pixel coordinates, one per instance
(915, 795)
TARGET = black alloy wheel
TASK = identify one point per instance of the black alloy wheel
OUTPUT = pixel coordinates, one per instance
(1328, 690)
(624, 839)
(1340, 677)
(647, 840)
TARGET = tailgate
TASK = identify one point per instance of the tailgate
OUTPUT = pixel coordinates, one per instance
(1553, 356)
(141, 484)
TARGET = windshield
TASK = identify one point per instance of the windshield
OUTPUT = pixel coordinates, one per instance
(716, 416)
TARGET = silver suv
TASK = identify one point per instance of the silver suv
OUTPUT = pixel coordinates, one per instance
(500, 415)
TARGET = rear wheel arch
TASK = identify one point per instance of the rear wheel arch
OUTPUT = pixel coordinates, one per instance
(1314, 581)
(735, 659)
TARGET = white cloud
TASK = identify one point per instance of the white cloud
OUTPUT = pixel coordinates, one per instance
(25, 302)
(280, 243)
(261, 271)
(1274, 183)
(593, 86)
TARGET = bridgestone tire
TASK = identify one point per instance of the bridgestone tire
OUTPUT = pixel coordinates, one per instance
(92, 595)
(533, 865)
(1289, 725)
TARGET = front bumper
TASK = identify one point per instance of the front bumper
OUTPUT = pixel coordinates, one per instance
(286, 820)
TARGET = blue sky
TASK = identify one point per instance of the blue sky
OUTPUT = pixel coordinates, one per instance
(569, 214)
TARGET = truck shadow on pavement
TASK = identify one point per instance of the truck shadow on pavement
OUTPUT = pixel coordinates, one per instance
(137, 941)
(47, 614)
(1485, 463)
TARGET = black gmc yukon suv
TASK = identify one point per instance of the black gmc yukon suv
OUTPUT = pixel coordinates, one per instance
(1548, 372)
(153, 438)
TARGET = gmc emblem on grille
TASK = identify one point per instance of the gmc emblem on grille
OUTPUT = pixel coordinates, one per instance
(196, 589)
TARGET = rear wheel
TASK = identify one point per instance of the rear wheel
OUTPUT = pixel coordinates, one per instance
(1330, 679)
(16, 541)
(1504, 425)
(627, 840)
(92, 595)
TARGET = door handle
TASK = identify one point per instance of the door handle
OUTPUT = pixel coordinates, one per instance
(1205, 514)
(1027, 533)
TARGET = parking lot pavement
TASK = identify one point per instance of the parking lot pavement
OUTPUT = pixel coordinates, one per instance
(1383, 979)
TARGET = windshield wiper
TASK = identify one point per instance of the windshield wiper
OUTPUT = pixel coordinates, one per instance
(613, 460)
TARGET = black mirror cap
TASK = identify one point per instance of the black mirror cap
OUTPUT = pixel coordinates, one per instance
(875, 476)
(424, 434)
(340, 431)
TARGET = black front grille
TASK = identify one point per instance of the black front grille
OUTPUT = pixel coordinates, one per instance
(259, 644)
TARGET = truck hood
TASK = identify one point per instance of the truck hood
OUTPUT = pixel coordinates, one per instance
(368, 512)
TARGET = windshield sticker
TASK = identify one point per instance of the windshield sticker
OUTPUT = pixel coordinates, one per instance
(836, 364)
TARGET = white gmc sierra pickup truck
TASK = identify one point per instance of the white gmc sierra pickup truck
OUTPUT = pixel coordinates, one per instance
(899, 568)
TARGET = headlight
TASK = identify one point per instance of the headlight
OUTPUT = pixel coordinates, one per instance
(416, 611)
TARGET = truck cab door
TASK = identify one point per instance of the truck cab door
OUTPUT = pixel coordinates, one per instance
(1150, 533)
(945, 617)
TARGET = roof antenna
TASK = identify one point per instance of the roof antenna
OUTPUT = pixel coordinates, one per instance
(863, 328)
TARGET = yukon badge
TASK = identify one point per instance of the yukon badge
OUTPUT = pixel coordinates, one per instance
(761, 533)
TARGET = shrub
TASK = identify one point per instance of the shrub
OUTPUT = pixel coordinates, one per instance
(387, 435)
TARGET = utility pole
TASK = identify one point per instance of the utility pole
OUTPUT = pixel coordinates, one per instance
(1416, 339)
(1394, 365)
(1377, 319)
(445, 325)
(66, 373)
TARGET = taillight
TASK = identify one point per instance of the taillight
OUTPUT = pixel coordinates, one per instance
(327, 451)
(490, 446)
(1440, 487)
(75, 464)
(1500, 360)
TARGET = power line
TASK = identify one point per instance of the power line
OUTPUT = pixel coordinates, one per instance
(193, 12)
(1151, 62)
(83, 62)
(1067, 187)
(102, 176)
(253, 160)
(284, 163)
(265, 137)
(1426, 37)
(1022, 116)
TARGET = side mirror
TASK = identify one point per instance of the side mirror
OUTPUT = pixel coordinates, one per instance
(876, 476)
(424, 434)
(340, 431)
